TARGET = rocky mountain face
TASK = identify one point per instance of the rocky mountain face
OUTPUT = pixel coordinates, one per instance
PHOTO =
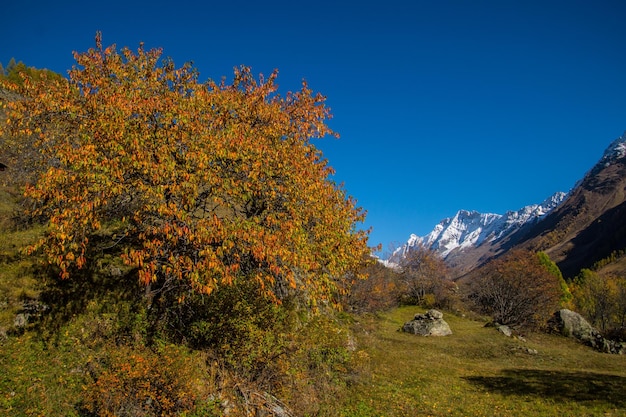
(575, 229)
(467, 239)
(591, 223)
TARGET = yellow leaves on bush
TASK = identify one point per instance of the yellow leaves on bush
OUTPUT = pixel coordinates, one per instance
(141, 382)
(204, 182)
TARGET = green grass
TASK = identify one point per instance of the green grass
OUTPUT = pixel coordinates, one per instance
(17, 282)
(479, 372)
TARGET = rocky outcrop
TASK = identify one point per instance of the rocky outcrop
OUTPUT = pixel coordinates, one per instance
(429, 324)
(571, 324)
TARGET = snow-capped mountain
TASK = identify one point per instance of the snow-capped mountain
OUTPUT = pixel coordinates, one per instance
(615, 151)
(591, 224)
(470, 229)
(576, 229)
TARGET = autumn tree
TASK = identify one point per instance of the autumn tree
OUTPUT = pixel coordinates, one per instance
(195, 185)
(552, 267)
(517, 290)
(426, 278)
(381, 289)
(15, 73)
(20, 153)
(601, 298)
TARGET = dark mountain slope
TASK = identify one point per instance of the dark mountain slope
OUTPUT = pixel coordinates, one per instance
(590, 224)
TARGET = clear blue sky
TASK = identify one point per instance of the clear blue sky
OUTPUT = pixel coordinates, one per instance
(441, 105)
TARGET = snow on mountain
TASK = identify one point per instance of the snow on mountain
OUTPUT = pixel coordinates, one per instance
(616, 150)
(470, 237)
(469, 229)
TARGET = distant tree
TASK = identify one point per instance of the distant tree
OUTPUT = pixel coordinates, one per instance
(21, 153)
(566, 295)
(380, 290)
(10, 65)
(516, 290)
(621, 303)
(426, 278)
(601, 298)
(201, 184)
(16, 73)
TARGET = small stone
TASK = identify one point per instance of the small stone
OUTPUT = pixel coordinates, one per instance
(505, 330)
(20, 320)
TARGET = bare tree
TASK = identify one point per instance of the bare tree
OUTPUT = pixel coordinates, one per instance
(426, 278)
(516, 290)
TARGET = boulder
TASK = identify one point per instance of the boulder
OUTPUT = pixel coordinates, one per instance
(429, 324)
(505, 330)
(571, 324)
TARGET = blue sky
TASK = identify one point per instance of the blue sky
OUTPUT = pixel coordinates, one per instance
(441, 105)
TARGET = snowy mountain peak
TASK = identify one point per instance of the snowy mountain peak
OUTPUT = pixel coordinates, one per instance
(615, 151)
(471, 229)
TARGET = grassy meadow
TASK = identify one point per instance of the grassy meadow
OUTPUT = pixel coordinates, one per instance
(480, 372)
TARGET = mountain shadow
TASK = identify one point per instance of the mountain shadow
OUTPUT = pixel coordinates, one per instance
(581, 387)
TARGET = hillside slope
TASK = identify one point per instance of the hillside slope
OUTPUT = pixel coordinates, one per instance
(591, 223)
(576, 230)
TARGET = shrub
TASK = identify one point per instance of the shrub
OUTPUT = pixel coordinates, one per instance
(380, 290)
(140, 382)
(516, 290)
(426, 280)
(602, 299)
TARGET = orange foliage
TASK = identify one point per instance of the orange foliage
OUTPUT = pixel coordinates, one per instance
(200, 182)
(381, 290)
(426, 278)
(143, 383)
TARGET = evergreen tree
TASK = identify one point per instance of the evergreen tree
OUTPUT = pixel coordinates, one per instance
(10, 66)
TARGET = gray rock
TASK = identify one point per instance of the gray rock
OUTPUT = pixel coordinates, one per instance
(505, 330)
(434, 314)
(526, 350)
(571, 324)
(20, 320)
(429, 324)
(502, 328)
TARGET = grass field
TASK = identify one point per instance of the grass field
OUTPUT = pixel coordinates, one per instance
(479, 372)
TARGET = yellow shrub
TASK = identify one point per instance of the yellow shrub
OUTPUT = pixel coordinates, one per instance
(139, 382)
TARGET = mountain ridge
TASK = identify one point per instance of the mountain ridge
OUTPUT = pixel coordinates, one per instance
(561, 225)
(470, 228)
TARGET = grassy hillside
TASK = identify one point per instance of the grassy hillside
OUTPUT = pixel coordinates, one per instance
(474, 372)
(479, 372)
